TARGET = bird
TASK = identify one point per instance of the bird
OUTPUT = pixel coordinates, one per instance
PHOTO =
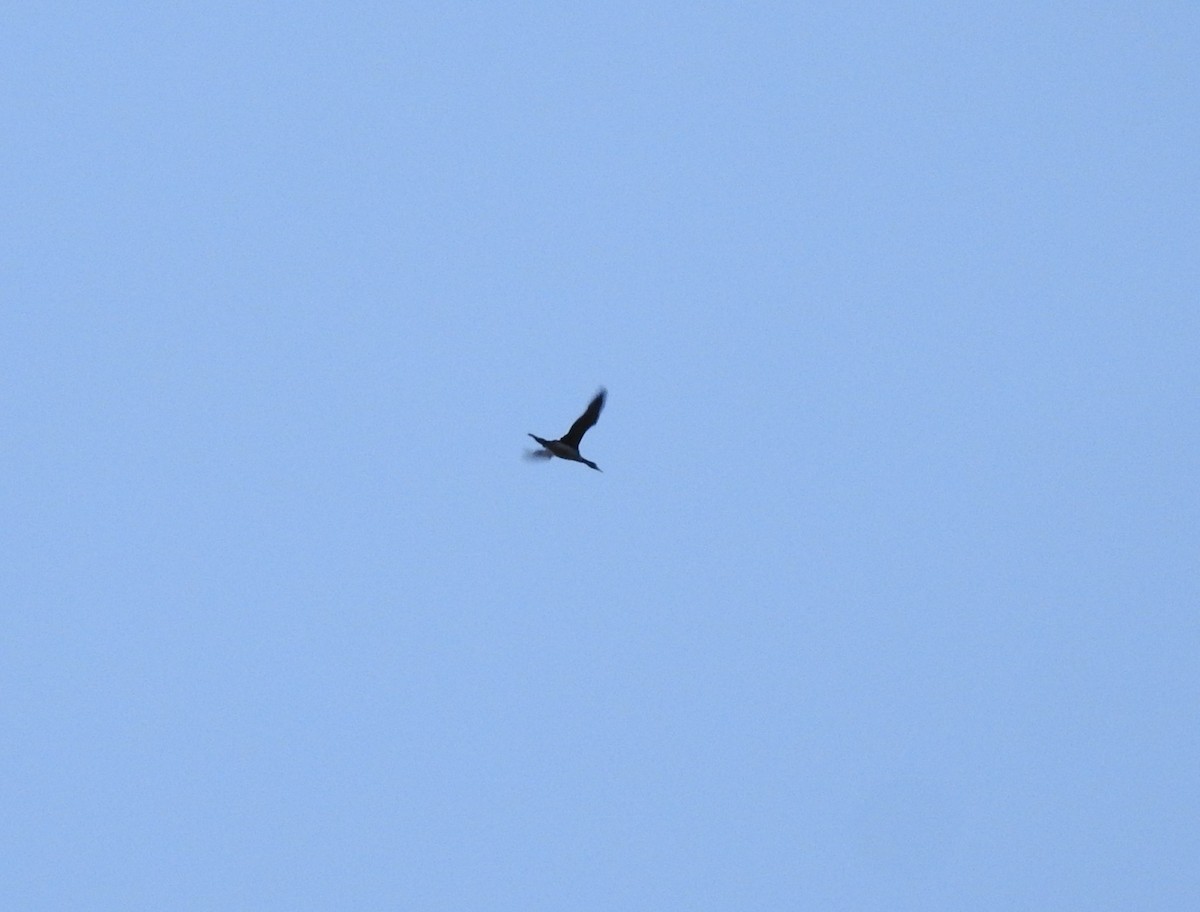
(567, 446)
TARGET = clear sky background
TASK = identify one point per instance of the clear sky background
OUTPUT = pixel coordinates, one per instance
(887, 598)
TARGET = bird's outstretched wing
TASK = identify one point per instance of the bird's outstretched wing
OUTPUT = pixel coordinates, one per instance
(585, 421)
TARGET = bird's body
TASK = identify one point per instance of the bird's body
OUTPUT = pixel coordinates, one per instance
(567, 446)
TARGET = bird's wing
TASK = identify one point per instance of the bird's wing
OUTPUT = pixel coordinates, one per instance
(585, 421)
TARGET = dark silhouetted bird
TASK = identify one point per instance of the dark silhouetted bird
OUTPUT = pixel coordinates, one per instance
(567, 446)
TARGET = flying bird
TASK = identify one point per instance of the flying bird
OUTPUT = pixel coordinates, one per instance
(567, 446)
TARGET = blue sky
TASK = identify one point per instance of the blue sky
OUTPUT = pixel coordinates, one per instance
(886, 599)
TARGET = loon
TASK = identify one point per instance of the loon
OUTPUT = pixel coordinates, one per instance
(567, 446)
